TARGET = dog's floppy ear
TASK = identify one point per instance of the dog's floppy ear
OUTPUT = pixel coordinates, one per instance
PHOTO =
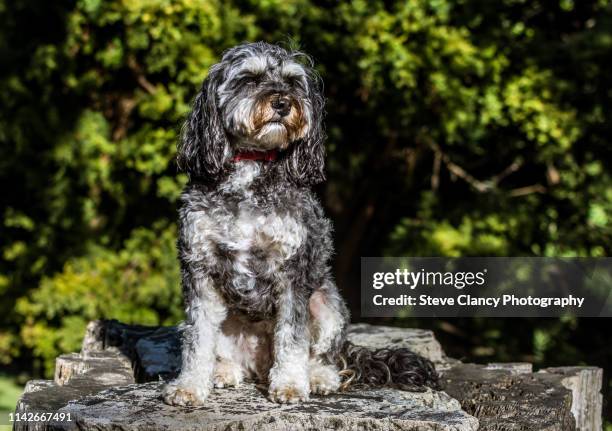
(305, 158)
(204, 148)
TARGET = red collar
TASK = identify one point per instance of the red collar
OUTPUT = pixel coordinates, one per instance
(268, 156)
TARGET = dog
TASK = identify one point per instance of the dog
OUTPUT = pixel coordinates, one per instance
(254, 243)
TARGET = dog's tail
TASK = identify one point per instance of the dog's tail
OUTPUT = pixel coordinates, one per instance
(395, 367)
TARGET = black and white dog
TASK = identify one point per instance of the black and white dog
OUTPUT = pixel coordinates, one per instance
(255, 246)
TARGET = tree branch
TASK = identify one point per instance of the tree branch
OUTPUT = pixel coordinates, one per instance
(481, 186)
(140, 76)
(522, 191)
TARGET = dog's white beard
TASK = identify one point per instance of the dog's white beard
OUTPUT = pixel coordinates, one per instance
(272, 135)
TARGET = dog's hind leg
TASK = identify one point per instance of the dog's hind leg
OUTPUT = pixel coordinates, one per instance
(228, 368)
(227, 373)
(328, 320)
(243, 350)
(205, 312)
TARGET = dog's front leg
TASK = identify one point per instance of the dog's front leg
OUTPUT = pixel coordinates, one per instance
(205, 313)
(289, 381)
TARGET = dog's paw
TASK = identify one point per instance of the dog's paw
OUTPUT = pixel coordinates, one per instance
(227, 374)
(289, 383)
(288, 393)
(324, 379)
(176, 394)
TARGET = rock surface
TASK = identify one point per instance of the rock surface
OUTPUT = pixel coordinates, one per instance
(506, 400)
(585, 384)
(138, 407)
(114, 384)
(76, 376)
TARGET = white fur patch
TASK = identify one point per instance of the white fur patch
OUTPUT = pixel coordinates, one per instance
(247, 345)
(272, 135)
(292, 70)
(227, 374)
(326, 323)
(279, 236)
(323, 378)
(255, 64)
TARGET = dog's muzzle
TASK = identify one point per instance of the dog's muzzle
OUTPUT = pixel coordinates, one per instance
(281, 105)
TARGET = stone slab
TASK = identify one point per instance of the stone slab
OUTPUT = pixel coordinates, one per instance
(138, 407)
(114, 383)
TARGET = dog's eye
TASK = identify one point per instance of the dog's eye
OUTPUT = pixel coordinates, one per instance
(250, 79)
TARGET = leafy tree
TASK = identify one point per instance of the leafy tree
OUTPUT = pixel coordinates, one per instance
(454, 128)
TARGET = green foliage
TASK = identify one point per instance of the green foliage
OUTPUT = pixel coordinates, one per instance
(9, 393)
(503, 124)
(455, 128)
(137, 284)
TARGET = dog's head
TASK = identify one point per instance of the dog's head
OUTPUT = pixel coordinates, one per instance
(260, 97)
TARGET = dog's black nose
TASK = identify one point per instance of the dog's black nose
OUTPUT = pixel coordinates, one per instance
(281, 105)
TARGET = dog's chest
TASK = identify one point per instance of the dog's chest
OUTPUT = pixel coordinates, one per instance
(255, 235)
(275, 235)
(245, 252)
(268, 230)
(248, 234)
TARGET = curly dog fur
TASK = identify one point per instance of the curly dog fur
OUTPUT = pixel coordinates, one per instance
(254, 243)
